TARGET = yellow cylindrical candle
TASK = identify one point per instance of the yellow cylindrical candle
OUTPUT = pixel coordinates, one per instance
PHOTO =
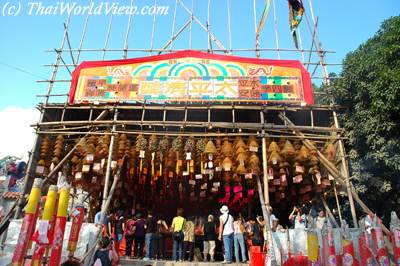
(47, 215)
(34, 197)
(27, 224)
(152, 167)
(50, 204)
(59, 227)
(63, 202)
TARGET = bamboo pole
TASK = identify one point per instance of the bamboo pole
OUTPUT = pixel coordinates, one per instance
(201, 50)
(267, 217)
(345, 173)
(196, 105)
(121, 166)
(188, 124)
(108, 170)
(328, 211)
(195, 134)
(337, 203)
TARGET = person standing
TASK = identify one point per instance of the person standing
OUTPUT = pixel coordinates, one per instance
(226, 233)
(159, 246)
(254, 231)
(151, 226)
(320, 221)
(139, 236)
(129, 235)
(238, 237)
(177, 235)
(188, 239)
(209, 238)
(104, 226)
(297, 218)
(119, 227)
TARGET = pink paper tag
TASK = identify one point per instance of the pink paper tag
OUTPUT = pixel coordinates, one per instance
(237, 189)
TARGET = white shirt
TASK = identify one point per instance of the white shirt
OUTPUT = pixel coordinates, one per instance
(228, 228)
(272, 218)
(299, 222)
(320, 222)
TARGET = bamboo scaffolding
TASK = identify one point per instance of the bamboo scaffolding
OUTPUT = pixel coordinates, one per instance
(196, 105)
(329, 212)
(345, 173)
(335, 173)
(37, 136)
(228, 125)
(70, 153)
(189, 133)
(270, 49)
(108, 169)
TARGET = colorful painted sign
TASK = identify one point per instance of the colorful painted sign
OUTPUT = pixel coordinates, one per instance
(191, 76)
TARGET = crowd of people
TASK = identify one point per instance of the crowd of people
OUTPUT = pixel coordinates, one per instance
(193, 238)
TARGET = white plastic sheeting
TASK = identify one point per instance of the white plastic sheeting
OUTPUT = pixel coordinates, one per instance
(87, 238)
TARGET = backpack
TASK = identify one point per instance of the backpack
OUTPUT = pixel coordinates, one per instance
(130, 228)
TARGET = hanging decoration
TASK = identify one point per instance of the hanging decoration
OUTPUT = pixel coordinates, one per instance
(153, 146)
(296, 11)
(262, 22)
(163, 145)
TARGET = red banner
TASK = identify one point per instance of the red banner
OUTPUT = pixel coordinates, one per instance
(75, 228)
(396, 244)
(58, 239)
(23, 239)
(192, 76)
(349, 258)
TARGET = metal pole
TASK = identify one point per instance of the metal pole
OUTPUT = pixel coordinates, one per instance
(345, 173)
(108, 170)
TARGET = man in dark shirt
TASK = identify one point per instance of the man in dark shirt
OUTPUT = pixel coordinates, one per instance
(151, 227)
(209, 238)
(139, 236)
(119, 227)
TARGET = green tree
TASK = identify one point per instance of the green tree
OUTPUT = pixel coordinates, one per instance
(369, 88)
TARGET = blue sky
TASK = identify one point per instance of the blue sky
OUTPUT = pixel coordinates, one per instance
(342, 26)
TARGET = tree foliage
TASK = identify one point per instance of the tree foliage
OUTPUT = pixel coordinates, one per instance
(369, 88)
